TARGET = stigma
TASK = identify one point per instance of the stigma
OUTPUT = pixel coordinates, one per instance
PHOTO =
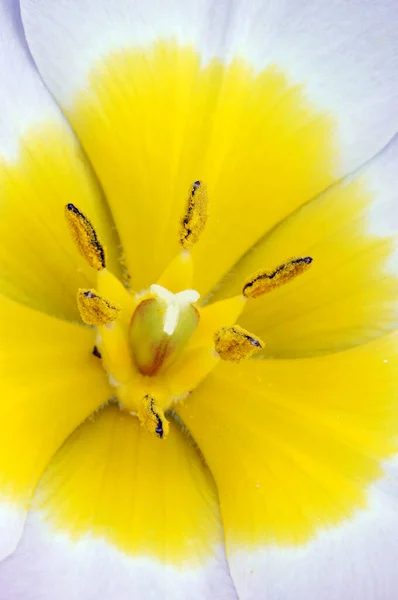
(174, 304)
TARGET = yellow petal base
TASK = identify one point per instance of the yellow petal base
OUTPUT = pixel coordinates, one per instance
(114, 481)
(294, 444)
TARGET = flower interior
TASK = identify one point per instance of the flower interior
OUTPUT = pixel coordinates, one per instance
(158, 344)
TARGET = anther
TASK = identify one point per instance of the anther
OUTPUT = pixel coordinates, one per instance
(85, 237)
(195, 217)
(95, 309)
(152, 417)
(262, 281)
(235, 343)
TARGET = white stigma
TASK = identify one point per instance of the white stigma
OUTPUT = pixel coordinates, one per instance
(174, 304)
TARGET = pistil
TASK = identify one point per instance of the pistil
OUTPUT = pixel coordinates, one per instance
(160, 327)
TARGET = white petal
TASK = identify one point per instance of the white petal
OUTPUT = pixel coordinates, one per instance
(355, 561)
(82, 32)
(19, 82)
(349, 295)
(49, 383)
(300, 450)
(42, 168)
(344, 53)
(142, 521)
(49, 565)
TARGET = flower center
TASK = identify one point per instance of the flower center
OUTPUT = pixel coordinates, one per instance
(157, 345)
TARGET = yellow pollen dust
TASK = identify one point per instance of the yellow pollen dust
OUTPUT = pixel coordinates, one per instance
(95, 309)
(85, 237)
(152, 417)
(235, 343)
(262, 281)
(195, 217)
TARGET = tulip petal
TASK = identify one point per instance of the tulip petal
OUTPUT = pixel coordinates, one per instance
(50, 382)
(349, 295)
(267, 103)
(42, 168)
(295, 447)
(122, 514)
(355, 560)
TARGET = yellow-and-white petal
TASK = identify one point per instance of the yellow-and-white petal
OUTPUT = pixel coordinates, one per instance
(355, 560)
(295, 447)
(42, 168)
(350, 294)
(49, 383)
(268, 103)
(120, 514)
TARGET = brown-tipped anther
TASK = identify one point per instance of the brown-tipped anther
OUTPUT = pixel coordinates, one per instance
(235, 343)
(152, 417)
(195, 217)
(85, 237)
(263, 282)
(95, 309)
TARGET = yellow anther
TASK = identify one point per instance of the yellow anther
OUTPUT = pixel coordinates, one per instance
(96, 310)
(85, 237)
(195, 217)
(262, 282)
(152, 417)
(235, 343)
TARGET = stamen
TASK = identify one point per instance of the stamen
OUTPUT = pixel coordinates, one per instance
(235, 343)
(262, 281)
(85, 237)
(195, 217)
(96, 310)
(152, 417)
